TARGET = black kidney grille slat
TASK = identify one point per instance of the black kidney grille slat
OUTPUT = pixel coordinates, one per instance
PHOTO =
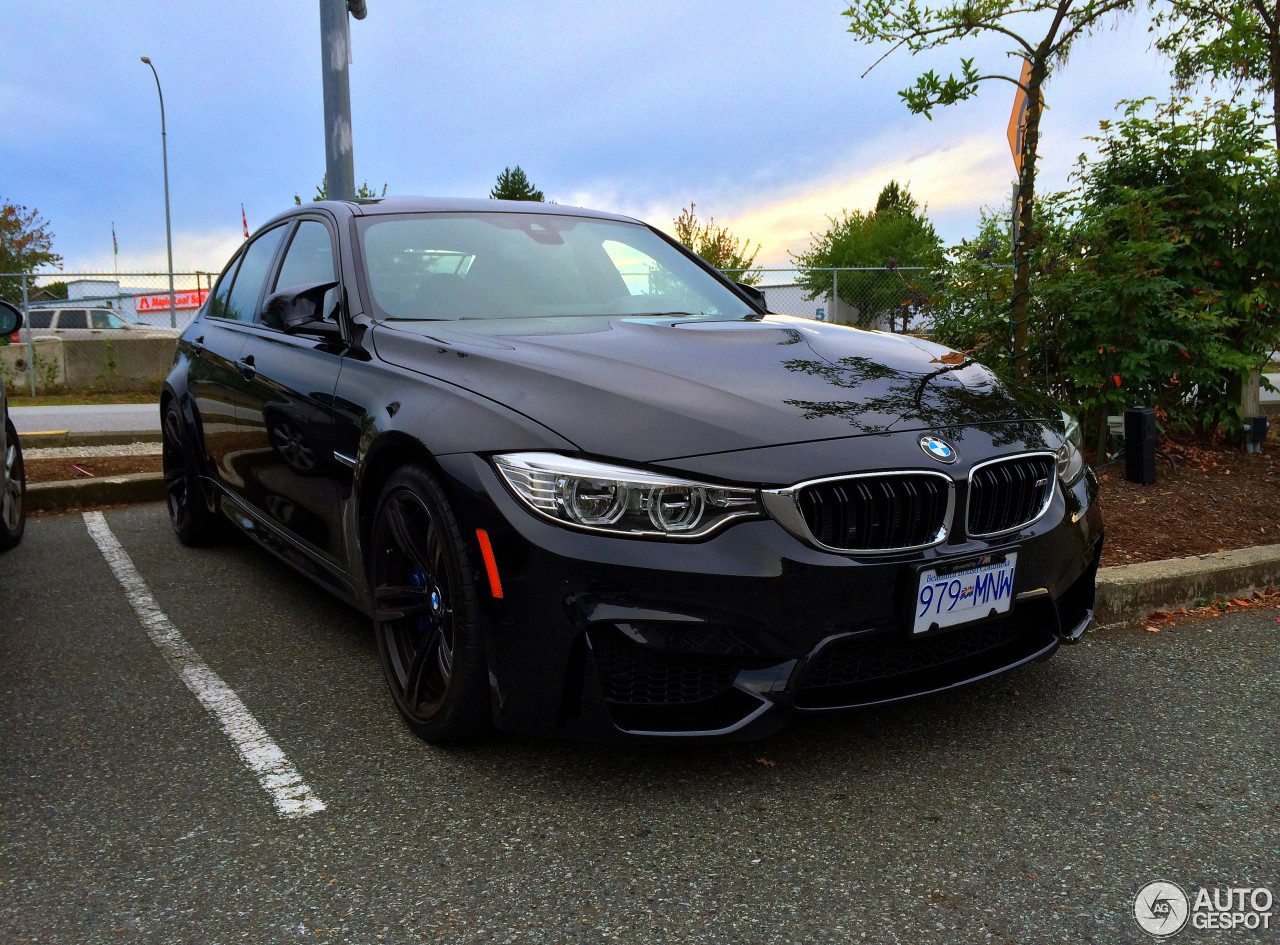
(876, 513)
(1009, 495)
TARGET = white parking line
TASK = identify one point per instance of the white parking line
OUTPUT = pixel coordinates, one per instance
(277, 775)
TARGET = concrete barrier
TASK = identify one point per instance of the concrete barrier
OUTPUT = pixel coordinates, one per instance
(50, 370)
(83, 364)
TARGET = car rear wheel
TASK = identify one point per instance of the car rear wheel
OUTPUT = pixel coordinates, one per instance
(13, 495)
(424, 595)
(190, 517)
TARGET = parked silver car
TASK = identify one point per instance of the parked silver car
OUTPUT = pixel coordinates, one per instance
(13, 479)
(91, 323)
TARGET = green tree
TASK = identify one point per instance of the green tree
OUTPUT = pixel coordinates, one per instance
(26, 244)
(54, 290)
(514, 184)
(905, 23)
(363, 192)
(1236, 42)
(717, 246)
(895, 235)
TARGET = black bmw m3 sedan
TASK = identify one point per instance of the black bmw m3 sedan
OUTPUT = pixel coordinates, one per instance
(586, 486)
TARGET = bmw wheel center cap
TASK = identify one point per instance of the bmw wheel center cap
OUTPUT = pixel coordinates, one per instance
(939, 449)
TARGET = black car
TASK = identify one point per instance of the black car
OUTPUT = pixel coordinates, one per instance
(586, 486)
(13, 479)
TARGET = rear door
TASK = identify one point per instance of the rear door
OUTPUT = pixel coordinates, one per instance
(285, 410)
(216, 379)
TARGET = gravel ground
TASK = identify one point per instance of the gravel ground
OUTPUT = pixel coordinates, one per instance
(1027, 809)
(89, 452)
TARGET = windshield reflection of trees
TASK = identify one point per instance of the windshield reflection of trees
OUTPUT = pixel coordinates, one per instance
(940, 398)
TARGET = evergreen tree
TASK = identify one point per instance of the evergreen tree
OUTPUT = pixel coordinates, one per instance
(513, 184)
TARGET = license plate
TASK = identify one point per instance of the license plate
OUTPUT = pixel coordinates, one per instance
(949, 596)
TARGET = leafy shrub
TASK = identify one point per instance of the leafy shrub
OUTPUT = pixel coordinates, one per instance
(1156, 281)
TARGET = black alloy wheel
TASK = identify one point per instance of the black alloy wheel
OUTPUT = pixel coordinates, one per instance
(190, 517)
(13, 494)
(425, 611)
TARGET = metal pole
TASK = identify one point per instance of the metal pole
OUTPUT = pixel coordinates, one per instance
(31, 345)
(335, 51)
(831, 316)
(168, 231)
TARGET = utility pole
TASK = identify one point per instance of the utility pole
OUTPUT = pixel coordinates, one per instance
(335, 54)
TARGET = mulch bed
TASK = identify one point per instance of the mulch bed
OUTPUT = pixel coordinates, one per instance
(1216, 500)
(54, 470)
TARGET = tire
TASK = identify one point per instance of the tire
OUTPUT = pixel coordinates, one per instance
(425, 612)
(13, 496)
(192, 521)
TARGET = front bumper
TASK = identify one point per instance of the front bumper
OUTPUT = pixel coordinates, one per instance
(601, 637)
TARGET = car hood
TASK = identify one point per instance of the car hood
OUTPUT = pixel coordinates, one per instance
(647, 388)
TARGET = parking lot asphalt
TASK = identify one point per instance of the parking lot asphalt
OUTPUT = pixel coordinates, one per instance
(1029, 808)
(86, 418)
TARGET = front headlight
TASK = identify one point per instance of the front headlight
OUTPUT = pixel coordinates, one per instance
(1070, 459)
(627, 502)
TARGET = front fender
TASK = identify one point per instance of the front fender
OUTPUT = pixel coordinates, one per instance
(386, 416)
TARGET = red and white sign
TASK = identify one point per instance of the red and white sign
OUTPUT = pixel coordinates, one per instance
(160, 303)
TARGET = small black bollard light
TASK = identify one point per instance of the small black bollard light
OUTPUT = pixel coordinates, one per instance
(1140, 445)
(1255, 432)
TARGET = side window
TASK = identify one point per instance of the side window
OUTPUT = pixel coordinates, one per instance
(40, 319)
(242, 302)
(73, 318)
(309, 259)
(310, 256)
(218, 304)
(103, 319)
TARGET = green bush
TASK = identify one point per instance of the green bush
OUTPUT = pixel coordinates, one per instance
(1156, 281)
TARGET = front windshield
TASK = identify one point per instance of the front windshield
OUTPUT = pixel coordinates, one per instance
(456, 266)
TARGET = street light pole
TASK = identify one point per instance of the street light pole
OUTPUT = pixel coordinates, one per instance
(168, 231)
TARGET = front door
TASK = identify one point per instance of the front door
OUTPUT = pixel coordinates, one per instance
(284, 416)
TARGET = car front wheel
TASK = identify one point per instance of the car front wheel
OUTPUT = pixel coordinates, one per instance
(424, 595)
(13, 495)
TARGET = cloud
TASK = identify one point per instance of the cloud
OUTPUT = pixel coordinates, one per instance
(961, 175)
(951, 180)
(206, 251)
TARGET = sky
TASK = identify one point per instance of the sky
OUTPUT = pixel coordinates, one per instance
(754, 111)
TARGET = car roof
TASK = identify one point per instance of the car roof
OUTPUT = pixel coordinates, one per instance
(374, 206)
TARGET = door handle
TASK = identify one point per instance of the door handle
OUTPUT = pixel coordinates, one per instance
(247, 370)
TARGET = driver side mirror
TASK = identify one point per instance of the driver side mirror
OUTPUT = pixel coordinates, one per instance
(754, 294)
(10, 319)
(298, 308)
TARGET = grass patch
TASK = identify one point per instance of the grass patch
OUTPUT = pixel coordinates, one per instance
(91, 398)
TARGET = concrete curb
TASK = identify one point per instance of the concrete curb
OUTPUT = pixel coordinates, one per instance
(34, 441)
(109, 490)
(1132, 591)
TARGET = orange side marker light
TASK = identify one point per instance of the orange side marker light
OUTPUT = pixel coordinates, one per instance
(490, 565)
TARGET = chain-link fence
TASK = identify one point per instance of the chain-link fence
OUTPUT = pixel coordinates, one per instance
(95, 330)
(890, 299)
